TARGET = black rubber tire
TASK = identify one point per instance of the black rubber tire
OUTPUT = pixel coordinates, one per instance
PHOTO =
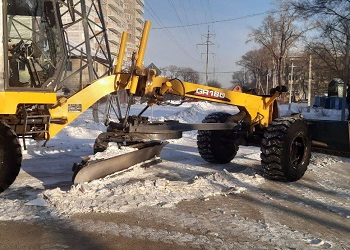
(10, 156)
(217, 146)
(286, 149)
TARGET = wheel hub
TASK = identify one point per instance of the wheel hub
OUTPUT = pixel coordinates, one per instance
(297, 151)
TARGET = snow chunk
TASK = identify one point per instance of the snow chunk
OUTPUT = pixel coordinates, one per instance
(37, 202)
(112, 150)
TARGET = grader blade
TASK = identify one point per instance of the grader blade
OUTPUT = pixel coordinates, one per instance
(88, 172)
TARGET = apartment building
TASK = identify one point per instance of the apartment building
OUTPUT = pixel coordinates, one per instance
(124, 15)
(118, 16)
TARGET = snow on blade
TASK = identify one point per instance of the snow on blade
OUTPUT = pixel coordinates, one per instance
(112, 150)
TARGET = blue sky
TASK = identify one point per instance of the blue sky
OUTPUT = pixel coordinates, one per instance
(178, 46)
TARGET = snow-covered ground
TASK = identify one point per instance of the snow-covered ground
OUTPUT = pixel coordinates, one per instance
(43, 188)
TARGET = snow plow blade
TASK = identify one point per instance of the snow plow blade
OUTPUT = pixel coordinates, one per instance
(330, 137)
(88, 172)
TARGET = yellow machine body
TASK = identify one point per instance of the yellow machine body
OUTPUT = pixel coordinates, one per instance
(142, 82)
(35, 69)
(40, 114)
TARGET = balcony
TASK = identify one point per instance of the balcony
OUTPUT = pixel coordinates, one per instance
(139, 28)
(140, 11)
(140, 20)
(115, 31)
(116, 20)
(116, 9)
(140, 2)
(114, 42)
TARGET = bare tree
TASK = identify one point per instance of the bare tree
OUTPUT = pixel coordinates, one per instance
(278, 34)
(332, 19)
(239, 78)
(333, 46)
(188, 74)
(171, 71)
(184, 73)
(214, 83)
(258, 62)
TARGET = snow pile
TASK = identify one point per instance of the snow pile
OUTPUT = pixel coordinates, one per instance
(198, 110)
(316, 113)
(129, 190)
(322, 160)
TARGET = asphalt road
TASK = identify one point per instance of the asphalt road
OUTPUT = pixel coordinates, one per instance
(300, 215)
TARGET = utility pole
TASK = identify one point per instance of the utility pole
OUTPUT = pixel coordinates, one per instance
(207, 43)
(267, 83)
(291, 87)
(309, 85)
(347, 76)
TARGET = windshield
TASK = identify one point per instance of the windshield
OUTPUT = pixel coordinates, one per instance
(35, 54)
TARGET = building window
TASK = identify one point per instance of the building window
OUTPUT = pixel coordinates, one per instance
(131, 36)
(69, 66)
(128, 16)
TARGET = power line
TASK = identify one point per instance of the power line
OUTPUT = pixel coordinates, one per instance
(167, 32)
(211, 16)
(187, 21)
(207, 43)
(195, 15)
(178, 16)
(205, 12)
(214, 31)
(202, 72)
(221, 21)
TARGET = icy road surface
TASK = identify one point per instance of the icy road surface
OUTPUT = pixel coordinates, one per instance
(185, 201)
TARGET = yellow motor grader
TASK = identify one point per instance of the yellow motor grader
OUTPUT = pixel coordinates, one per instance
(31, 105)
